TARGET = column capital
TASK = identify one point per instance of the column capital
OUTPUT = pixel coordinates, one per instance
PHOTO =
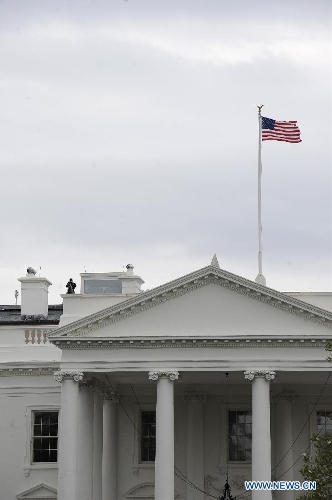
(75, 375)
(171, 374)
(194, 396)
(267, 374)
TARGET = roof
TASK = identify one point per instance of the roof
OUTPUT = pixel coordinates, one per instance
(11, 315)
(180, 286)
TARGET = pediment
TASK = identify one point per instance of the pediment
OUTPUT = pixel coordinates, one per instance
(40, 492)
(208, 302)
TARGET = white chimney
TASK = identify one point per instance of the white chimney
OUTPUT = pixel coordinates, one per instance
(131, 284)
(34, 294)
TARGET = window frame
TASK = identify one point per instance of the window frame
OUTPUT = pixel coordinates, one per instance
(313, 429)
(313, 410)
(224, 436)
(34, 436)
(137, 463)
(228, 410)
(105, 279)
(141, 437)
(28, 463)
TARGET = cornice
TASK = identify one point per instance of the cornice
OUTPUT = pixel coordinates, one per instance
(184, 285)
(185, 343)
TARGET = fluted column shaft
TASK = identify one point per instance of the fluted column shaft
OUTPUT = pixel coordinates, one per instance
(164, 464)
(261, 436)
(69, 437)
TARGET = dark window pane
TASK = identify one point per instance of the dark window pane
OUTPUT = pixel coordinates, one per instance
(248, 429)
(37, 443)
(53, 443)
(45, 430)
(239, 436)
(241, 417)
(53, 430)
(37, 456)
(148, 436)
(45, 456)
(36, 430)
(240, 430)
(44, 446)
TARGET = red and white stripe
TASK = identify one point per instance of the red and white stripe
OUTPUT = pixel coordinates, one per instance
(283, 131)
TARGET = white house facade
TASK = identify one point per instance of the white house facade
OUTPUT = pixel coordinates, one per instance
(169, 393)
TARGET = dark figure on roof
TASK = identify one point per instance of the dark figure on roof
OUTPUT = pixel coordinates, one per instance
(71, 286)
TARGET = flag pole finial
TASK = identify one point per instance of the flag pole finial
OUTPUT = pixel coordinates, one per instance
(260, 109)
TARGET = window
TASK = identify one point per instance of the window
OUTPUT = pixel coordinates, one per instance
(102, 287)
(148, 436)
(239, 436)
(324, 422)
(44, 436)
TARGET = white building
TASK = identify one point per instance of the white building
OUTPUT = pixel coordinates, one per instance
(237, 372)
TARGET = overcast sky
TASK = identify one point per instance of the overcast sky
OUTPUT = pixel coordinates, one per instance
(129, 133)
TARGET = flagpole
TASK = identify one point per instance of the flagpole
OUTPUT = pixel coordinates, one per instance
(260, 279)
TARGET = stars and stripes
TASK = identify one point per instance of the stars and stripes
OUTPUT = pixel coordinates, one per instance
(272, 130)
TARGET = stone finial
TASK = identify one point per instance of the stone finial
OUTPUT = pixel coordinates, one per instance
(130, 269)
(214, 261)
(31, 272)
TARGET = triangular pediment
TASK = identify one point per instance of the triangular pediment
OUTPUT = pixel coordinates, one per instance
(210, 301)
(40, 492)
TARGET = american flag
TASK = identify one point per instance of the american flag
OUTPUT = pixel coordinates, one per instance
(272, 130)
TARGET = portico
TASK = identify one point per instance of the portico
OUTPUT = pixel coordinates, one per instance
(163, 355)
(186, 413)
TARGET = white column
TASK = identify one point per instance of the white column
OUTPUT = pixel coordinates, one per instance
(109, 469)
(97, 446)
(164, 464)
(284, 441)
(195, 448)
(261, 438)
(68, 437)
(85, 444)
